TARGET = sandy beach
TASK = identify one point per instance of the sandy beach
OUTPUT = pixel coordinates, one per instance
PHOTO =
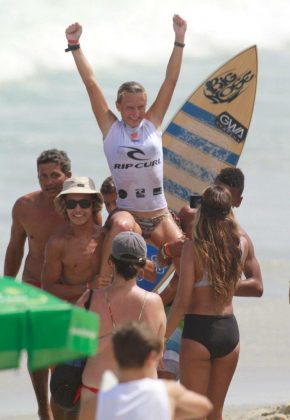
(279, 412)
(21, 405)
(43, 106)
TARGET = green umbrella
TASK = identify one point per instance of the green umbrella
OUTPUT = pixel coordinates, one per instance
(49, 329)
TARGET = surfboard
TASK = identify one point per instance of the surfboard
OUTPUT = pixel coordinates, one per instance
(209, 131)
(162, 274)
(206, 134)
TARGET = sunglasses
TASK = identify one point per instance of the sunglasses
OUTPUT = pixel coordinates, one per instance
(84, 203)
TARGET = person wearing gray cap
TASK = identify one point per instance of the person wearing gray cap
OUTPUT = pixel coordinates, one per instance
(121, 301)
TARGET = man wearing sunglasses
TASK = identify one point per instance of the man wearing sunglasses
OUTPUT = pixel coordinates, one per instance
(34, 219)
(73, 255)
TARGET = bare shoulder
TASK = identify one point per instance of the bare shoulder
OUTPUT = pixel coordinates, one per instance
(29, 198)
(26, 201)
(59, 238)
(242, 232)
(189, 402)
(100, 232)
(154, 299)
(245, 238)
(174, 389)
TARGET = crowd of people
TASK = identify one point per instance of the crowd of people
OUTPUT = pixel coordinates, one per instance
(187, 336)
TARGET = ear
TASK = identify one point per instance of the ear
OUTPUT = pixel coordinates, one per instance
(152, 358)
(68, 174)
(118, 105)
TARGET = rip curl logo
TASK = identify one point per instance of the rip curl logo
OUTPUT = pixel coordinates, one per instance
(134, 152)
(226, 87)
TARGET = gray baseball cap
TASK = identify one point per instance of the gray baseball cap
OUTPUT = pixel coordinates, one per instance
(129, 246)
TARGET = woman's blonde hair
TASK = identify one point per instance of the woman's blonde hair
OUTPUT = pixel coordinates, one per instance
(130, 87)
(97, 204)
(217, 243)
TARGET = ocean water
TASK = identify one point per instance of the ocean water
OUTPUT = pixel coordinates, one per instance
(43, 105)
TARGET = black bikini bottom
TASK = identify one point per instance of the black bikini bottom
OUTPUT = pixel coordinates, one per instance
(218, 333)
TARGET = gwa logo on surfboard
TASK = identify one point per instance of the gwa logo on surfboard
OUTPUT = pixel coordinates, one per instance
(227, 87)
(232, 127)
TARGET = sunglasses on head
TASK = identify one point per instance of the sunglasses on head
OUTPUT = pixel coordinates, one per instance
(84, 203)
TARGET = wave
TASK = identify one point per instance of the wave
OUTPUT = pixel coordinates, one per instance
(116, 33)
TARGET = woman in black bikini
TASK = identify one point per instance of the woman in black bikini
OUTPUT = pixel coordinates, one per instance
(211, 265)
(122, 301)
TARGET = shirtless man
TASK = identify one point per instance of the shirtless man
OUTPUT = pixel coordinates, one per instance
(34, 219)
(73, 254)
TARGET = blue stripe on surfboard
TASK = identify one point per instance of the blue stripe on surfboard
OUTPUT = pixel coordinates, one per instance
(199, 113)
(205, 146)
(188, 167)
(176, 190)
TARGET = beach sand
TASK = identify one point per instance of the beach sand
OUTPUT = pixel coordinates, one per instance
(26, 408)
(277, 412)
(280, 412)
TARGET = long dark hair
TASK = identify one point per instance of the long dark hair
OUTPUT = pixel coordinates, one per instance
(217, 242)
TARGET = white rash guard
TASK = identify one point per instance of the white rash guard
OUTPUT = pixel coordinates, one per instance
(135, 158)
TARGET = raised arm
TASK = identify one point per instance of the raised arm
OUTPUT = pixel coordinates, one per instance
(52, 273)
(158, 109)
(184, 289)
(103, 114)
(252, 285)
(15, 249)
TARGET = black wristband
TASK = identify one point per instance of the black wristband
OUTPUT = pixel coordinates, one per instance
(72, 47)
(179, 44)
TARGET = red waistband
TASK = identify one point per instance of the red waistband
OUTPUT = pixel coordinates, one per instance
(79, 390)
(91, 388)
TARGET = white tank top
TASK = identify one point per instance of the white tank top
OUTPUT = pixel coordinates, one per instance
(135, 400)
(135, 158)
